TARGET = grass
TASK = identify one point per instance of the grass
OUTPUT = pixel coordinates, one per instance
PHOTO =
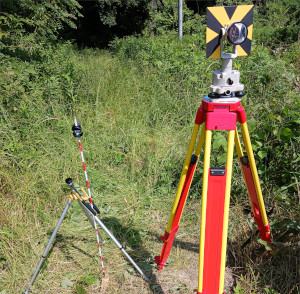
(137, 124)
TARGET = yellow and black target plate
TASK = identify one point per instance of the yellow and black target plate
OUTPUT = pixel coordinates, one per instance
(222, 16)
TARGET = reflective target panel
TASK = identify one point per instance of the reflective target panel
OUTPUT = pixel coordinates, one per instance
(219, 17)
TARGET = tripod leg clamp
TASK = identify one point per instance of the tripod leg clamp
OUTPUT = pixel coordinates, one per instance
(76, 196)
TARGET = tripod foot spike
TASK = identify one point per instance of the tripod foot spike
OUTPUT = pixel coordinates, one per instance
(160, 265)
(206, 292)
(168, 240)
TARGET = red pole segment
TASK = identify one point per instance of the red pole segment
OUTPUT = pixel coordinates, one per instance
(78, 135)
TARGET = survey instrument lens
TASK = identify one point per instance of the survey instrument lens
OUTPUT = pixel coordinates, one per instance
(237, 33)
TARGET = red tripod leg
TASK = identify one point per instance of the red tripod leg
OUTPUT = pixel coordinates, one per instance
(264, 230)
(254, 190)
(168, 238)
(187, 174)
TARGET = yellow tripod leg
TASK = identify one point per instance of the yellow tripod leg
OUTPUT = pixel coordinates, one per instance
(183, 190)
(238, 145)
(183, 175)
(253, 168)
(197, 154)
(230, 147)
(206, 163)
(201, 141)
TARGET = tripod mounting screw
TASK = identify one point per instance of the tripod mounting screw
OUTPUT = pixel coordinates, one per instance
(69, 181)
(77, 132)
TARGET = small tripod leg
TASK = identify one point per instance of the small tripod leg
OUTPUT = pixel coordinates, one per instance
(253, 186)
(169, 236)
(44, 255)
(106, 230)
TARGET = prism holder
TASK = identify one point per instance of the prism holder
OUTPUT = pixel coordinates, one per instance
(222, 17)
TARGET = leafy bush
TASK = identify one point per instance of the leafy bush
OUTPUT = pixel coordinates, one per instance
(26, 27)
(277, 23)
(164, 18)
(32, 92)
(111, 11)
(37, 76)
(273, 101)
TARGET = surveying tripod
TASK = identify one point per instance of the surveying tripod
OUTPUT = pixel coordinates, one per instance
(220, 110)
(82, 197)
(89, 208)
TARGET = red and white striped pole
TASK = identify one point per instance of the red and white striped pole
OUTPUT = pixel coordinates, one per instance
(78, 133)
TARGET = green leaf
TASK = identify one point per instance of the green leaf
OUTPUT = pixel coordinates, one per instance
(130, 270)
(280, 197)
(70, 275)
(158, 63)
(238, 289)
(262, 154)
(66, 283)
(265, 244)
(80, 289)
(194, 78)
(89, 280)
(287, 133)
(119, 157)
(31, 71)
(251, 124)
(221, 159)
(219, 140)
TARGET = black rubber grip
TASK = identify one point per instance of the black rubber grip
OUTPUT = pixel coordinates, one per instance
(88, 207)
(95, 207)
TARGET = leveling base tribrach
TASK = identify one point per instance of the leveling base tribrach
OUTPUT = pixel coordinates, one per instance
(220, 110)
(90, 209)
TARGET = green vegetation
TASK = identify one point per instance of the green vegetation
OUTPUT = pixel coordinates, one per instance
(137, 104)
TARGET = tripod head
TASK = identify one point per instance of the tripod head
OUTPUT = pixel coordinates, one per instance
(69, 181)
(229, 25)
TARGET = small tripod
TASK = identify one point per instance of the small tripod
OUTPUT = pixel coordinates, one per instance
(81, 197)
(220, 110)
(90, 209)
